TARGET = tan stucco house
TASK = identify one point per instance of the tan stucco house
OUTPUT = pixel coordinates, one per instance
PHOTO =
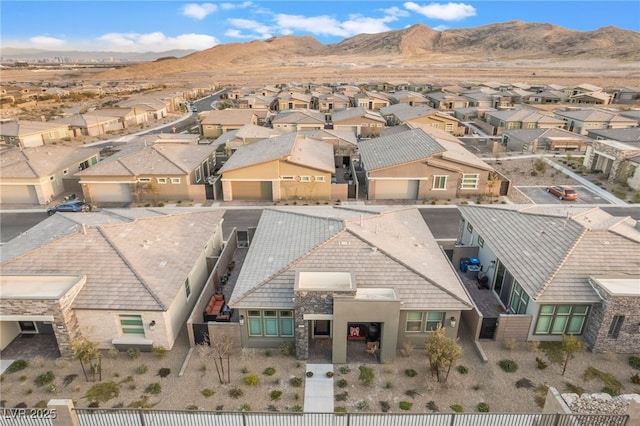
(296, 120)
(216, 122)
(362, 122)
(122, 278)
(333, 280)
(28, 134)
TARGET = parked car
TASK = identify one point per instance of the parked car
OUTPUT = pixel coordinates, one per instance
(70, 206)
(563, 192)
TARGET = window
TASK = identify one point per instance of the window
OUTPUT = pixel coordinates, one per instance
(439, 182)
(131, 324)
(469, 227)
(319, 178)
(414, 321)
(144, 180)
(561, 319)
(161, 180)
(616, 325)
(469, 181)
(270, 323)
(448, 127)
(433, 319)
(175, 180)
(305, 178)
(480, 241)
(187, 288)
(198, 175)
(287, 178)
(519, 300)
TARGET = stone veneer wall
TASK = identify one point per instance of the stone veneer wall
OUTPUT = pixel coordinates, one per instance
(310, 302)
(596, 334)
(619, 156)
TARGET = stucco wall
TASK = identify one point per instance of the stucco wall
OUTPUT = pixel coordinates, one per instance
(9, 330)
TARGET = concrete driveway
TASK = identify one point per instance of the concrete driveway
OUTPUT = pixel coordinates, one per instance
(539, 195)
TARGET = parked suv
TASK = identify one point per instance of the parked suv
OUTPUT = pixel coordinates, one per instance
(70, 206)
(563, 192)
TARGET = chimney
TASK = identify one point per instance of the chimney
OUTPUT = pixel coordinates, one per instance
(84, 229)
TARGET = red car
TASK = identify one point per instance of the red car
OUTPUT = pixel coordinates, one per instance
(563, 192)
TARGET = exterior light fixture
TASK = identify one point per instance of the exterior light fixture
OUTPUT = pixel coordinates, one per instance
(452, 322)
(152, 325)
(241, 319)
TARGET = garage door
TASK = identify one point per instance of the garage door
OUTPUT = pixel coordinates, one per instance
(396, 189)
(252, 190)
(111, 192)
(18, 194)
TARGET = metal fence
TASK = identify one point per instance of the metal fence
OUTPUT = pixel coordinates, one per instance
(135, 417)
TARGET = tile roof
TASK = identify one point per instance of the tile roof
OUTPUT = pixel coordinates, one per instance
(595, 115)
(130, 265)
(299, 117)
(24, 127)
(631, 134)
(530, 135)
(398, 148)
(43, 161)
(347, 114)
(227, 116)
(369, 247)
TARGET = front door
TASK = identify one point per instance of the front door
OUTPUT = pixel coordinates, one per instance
(321, 328)
(28, 327)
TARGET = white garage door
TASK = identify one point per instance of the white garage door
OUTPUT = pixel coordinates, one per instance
(111, 192)
(18, 194)
(396, 189)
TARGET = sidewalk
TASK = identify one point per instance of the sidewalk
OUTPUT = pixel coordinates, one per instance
(318, 389)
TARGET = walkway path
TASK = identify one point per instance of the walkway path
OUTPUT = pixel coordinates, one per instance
(318, 389)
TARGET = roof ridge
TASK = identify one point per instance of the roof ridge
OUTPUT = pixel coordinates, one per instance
(24, 154)
(131, 268)
(153, 147)
(410, 268)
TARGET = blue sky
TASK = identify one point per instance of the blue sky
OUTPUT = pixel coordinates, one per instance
(160, 25)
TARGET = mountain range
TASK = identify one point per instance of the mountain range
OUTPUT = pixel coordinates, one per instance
(40, 55)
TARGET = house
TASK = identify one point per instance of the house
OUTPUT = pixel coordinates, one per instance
(257, 102)
(344, 277)
(129, 116)
(296, 120)
(155, 107)
(551, 274)
(287, 167)
(90, 124)
(616, 161)
(424, 115)
(345, 143)
(471, 113)
(371, 100)
(39, 175)
(583, 120)
(521, 118)
(150, 169)
(629, 135)
(548, 97)
(626, 95)
(536, 140)
(28, 134)
(246, 135)
(120, 278)
(363, 123)
(408, 97)
(593, 98)
(216, 122)
(294, 100)
(333, 101)
(413, 165)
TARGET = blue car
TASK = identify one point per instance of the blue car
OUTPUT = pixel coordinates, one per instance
(70, 206)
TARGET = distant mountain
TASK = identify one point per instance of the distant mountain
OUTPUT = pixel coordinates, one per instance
(41, 55)
(417, 44)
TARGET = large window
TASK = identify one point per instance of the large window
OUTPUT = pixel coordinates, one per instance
(433, 319)
(470, 181)
(414, 321)
(131, 324)
(270, 323)
(561, 319)
(519, 300)
(439, 182)
(187, 288)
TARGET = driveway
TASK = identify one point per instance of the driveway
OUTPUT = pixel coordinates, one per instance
(539, 195)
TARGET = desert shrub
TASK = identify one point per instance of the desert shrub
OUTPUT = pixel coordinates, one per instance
(407, 349)
(344, 369)
(244, 370)
(153, 388)
(207, 392)
(142, 403)
(297, 408)
(45, 378)
(192, 407)
(541, 364)
(362, 405)
(296, 382)
(476, 387)
(235, 393)
(268, 353)
(405, 405)
(251, 380)
(457, 408)
(269, 371)
(410, 372)
(366, 375)
(342, 383)
(275, 395)
(141, 369)
(340, 409)
(482, 407)
(510, 344)
(52, 388)
(570, 387)
(540, 395)
(431, 405)
(40, 404)
(635, 379)
(388, 385)
(102, 392)
(508, 365)
(412, 393)
(462, 369)
(524, 383)
(159, 351)
(17, 365)
(634, 361)
(287, 349)
(245, 407)
(553, 351)
(23, 378)
(612, 386)
(342, 396)
(133, 353)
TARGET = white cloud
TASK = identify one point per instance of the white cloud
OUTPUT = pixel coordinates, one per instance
(326, 25)
(45, 42)
(445, 12)
(154, 42)
(440, 28)
(395, 12)
(229, 6)
(199, 11)
(233, 33)
(263, 31)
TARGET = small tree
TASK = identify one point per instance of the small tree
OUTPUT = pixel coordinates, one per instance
(89, 355)
(570, 345)
(222, 348)
(443, 352)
